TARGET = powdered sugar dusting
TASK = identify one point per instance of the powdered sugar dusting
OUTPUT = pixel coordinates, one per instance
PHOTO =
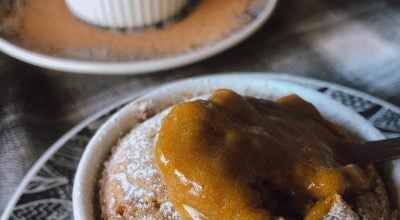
(132, 191)
(134, 181)
(166, 208)
(341, 210)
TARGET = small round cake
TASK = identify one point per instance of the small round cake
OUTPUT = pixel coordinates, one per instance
(234, 157)
(125, 13)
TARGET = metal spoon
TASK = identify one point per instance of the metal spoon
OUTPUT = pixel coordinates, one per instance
(372, 151)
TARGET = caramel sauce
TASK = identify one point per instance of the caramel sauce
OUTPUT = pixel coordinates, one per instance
(320, 208)
(231, 157)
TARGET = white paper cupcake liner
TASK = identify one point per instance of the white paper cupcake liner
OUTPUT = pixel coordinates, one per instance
(125, 13)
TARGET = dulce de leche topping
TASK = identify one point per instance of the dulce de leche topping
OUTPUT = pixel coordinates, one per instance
(233, 157)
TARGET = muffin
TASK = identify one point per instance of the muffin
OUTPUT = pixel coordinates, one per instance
(238, 157)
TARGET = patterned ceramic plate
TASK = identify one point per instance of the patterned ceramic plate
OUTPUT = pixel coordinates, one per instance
(46, 191)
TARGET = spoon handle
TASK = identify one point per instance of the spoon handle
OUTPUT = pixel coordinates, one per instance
(375, 151)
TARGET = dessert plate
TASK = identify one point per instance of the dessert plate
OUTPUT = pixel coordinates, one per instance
(109, 66)
(46, 191)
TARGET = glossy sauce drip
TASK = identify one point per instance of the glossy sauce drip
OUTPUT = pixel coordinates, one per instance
(234, 157)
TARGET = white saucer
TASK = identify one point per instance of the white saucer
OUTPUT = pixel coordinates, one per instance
(80, 66)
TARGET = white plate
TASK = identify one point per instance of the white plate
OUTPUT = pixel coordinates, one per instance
(77, 66)
(259, 86)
